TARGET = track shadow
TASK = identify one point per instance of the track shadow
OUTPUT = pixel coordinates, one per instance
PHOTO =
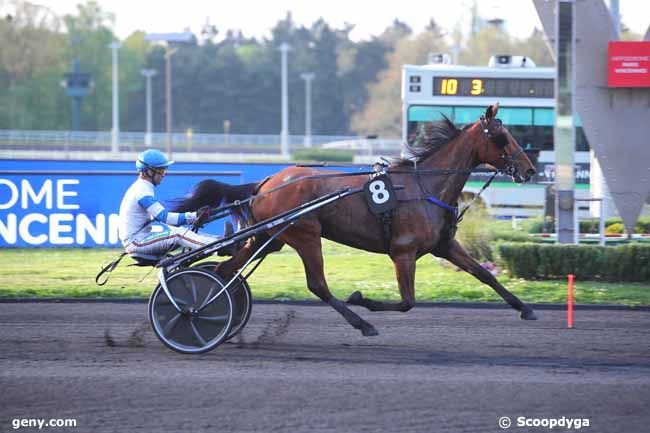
(387, 355)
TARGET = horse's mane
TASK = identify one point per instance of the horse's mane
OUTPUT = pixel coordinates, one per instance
(213, 193)
(434, 137)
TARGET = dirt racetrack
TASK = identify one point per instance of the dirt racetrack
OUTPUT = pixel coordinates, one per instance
(302, 369)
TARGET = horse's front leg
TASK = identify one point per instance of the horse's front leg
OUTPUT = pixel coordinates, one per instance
(404, 262)
(308, 245)
(457, 255)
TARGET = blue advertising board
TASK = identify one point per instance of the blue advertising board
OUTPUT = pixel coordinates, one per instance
(76, 203)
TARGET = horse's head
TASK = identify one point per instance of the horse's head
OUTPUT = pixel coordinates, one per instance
(497, 147)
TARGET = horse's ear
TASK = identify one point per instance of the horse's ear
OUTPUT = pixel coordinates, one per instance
(491, 112)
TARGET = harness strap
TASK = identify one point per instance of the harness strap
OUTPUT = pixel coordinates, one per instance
(462, 213)
(108, 269)
(453, 209)
(442, 204)
(387, 223)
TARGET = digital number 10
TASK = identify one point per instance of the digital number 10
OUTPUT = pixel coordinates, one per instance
(449, 86)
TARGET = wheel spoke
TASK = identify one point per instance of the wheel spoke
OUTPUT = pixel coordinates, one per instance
(217, 319)
(196, 333)
(193, 289)
(207, 298)
(170, 325)
(164, 300)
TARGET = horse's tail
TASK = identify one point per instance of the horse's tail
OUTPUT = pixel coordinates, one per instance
(212, 193)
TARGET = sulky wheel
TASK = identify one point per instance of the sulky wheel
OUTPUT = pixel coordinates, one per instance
(197, 328)
(242, 299)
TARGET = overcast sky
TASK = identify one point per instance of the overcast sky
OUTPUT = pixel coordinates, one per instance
(256, 17)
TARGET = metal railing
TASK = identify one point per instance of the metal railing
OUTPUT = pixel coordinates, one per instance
(71, 141)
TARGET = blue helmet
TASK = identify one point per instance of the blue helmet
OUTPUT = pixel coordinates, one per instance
(152, 158)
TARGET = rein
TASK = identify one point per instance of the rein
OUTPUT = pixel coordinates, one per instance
(491, 128)
(222, 211)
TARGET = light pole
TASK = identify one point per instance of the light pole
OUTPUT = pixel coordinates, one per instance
(308, 76)
(185, 37)
(148, 74)
(284, 133)
(168, 95)
(115, 136)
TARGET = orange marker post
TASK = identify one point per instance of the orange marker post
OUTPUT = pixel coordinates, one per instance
(569, 318)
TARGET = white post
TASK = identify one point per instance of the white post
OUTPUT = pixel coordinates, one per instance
(148, 74)
(115, 136)
(601, 225)
(307, 77)
(564, 130)
(284, 133)
(168, 95)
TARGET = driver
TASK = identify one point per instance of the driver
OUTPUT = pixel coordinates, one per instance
(140, 207)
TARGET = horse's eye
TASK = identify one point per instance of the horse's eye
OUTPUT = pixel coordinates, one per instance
(500, 140)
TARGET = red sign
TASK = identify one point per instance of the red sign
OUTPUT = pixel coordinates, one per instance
(628, 64)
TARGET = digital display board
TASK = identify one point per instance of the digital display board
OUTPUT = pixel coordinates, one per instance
(499, 87)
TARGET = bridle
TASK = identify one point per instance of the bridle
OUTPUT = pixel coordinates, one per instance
(496, 135)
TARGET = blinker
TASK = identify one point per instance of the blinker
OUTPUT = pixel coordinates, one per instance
(500, 140)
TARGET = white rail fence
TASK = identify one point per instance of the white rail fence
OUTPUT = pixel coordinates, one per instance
(73, 141)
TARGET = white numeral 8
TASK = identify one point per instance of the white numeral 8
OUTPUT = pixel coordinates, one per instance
(379, 192)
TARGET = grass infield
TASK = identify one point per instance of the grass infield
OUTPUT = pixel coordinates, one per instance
(70, 273)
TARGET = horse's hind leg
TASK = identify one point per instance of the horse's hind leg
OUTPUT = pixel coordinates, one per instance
(405, 271)
(228, 268)
(457, 255)
(309, 248)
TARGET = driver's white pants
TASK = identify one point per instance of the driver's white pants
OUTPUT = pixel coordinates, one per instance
(156, 245)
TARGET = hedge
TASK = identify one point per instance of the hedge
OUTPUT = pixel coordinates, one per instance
(323, 155)
(629, 262)
(612, 225)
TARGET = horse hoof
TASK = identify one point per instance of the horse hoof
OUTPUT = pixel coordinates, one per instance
(355, 298)
(527, 314)
(369, 331)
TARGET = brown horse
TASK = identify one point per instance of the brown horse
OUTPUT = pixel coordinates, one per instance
(418, 226)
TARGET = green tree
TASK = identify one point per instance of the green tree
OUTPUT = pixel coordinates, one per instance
(485, 43)
(132, 57)
(90, 35)
(30, 68)
(535, 47)
(382, 114)
(360, 63)
(328, 114)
